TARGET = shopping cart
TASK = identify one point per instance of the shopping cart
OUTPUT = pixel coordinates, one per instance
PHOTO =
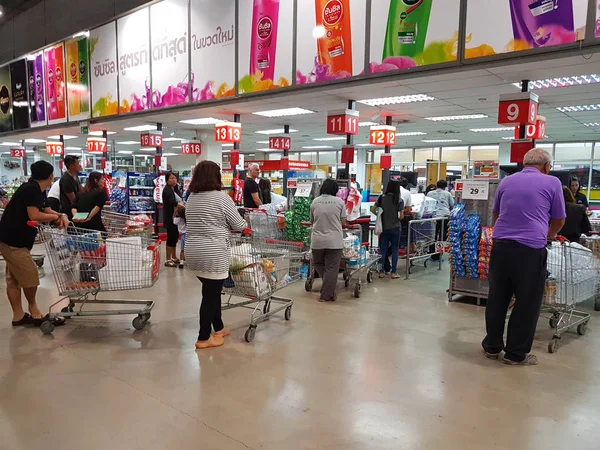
(573, 278)
(265, 225)
(123, 224)
(86, 263)
(421, 242)
(259, 268)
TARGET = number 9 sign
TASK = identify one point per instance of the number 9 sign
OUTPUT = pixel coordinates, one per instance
(517, 112)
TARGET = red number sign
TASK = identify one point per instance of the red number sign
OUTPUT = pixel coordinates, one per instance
(17, 153)
(519, 109)
(151, 140)
(386, 161)
(229, 132)
(383, 136)
(55, 148)
(191, 148)
(518, 149)
(96, 145)
(343, 123)
(280, 143)
(348, 155)
(537, 131)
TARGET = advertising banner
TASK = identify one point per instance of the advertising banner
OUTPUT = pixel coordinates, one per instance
(266, 39)
(169, 36)
(56, 89)
(37, 89)
(522, 25)
(213, 39)
(5, 100)
(78, 79)
(330, 40)
(411, 33)
(597, 25)
(19, 92)
(134, 61)
(104, 70)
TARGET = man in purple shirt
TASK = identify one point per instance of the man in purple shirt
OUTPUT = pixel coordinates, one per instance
(529, 210)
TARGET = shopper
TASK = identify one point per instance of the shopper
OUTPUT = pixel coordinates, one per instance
(53, 197)
(430, 188)
(580, 197)
(252, 193)
(171, 198)
(405, 194)
(179, 220)
(392, 207)
(445, 203)
(328, 215)
(525, 204)
(16, 242)
(577, 222)
(91, 199)
(264, 186)
(210, 215)
(69, 185)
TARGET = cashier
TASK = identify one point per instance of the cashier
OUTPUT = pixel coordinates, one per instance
(580, 197)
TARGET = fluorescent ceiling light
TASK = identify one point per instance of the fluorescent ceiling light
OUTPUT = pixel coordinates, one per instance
(100, 133)
(512, 138)
(367, 124)
(491, 130)
(439, 141)
(592, 124)
(170, 154)
(266, 150)
(365, 145)
(578, 108)
(81, 34)
(266, 142)
(396, 100)
(549, 83)
(125, 152)
(66, 137)
(34, 141)
(72, 148)
(128, 142)
(274, 131)
(148, 149)
(179, 146)
(461, 117)
(172, 139)
(411, 133)
(202, 121)
(141, 128)
(10, 144)
(229, 145)
(317, 147)
(285, 112)
(29, 151)
(333, 138)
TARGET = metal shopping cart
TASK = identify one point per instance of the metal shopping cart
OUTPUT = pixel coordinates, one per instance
(422, 238)
(265, 225)
(259, 268)
(129, 225)
(86, 263)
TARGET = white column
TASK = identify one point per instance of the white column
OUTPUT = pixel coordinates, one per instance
(361, 167)
(211, 149)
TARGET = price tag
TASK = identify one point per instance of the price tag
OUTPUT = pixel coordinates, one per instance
(96, 145)
(475, 190)
(303, 189)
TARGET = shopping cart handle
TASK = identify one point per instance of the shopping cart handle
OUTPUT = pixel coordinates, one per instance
(351, 227)
(306, 224)
(155, 245)
(247, 232)
(32, 223)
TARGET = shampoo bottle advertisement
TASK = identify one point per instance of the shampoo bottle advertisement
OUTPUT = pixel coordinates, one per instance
(50, 86)
(78, 79)
(39, 94)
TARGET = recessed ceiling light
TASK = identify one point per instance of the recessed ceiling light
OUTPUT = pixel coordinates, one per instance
(72, 148)
(202, 121)
(592, 124)
(148, 149)
(508, 138)
(128, 142)
(266, 150)
(396, 100)
(10, 144)
(491, 130)
(317, 147)
(461, 117)
(100, 133)
(34, 141)
(549, 83)
(141, 128)
(411, 133)
(172, 139)
(81, 34)
(274, 131)
(285, 112)
(439, 141)
(66, 137)
(578, 108)
(367, 124)
(29, 151)
(125, 152)
(333, 138)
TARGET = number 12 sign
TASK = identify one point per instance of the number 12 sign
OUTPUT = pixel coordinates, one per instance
(343, 122)
(229, 132)
(383, 135)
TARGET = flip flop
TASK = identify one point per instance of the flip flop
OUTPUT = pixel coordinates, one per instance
(57, 321)
(26, 320)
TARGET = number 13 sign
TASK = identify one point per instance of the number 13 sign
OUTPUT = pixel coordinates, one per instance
(229, 132)
(518, 110)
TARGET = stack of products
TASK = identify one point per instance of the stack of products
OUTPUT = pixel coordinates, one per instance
(455, 232)
(485, 251)
(301, 213)
(470, 245)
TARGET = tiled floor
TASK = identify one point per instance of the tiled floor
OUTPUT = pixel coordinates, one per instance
(399, 368)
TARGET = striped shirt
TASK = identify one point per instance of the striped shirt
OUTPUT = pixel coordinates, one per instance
(210, 216)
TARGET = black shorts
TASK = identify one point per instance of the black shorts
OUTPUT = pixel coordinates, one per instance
(172, 235)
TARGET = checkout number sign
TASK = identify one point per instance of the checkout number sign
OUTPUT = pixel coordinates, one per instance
(475, 190)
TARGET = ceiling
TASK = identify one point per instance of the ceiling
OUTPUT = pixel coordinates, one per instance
(467, 91)
(11, 8)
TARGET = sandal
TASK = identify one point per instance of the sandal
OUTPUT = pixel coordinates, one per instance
(26, 320)
(171, 263)
(395, 276)
(382, 275)
(530, 360)
(56, 321)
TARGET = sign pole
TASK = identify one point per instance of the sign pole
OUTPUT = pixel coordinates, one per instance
(103, 160)
(385, 174)
(158, 155)
(61, 163)
(236, 146)
(24, 157)
(350, 137)
(286, 154)
(523, 128)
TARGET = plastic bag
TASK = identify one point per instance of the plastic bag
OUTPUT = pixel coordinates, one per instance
(379, 222)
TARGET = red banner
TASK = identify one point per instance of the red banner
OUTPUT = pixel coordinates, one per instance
(267, 166)
(348, 155)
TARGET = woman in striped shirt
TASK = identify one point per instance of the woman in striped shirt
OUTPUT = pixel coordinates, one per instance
(210, 216)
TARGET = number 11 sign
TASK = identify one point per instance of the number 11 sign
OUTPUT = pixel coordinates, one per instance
(343, 122)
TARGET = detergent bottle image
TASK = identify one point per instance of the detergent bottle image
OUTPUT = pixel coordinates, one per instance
(59, 82)
(73, 77)
(334, 43)
(265, 22)
(50, 85)
(406, 31)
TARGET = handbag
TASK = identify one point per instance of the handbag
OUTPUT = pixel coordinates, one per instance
(379, 222)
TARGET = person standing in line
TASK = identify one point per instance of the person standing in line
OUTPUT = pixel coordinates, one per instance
(445, 203)
(405, 195)
(525, 204)
(91, 199)
(69, 185)
(328, 216)
(210, 215)
(53, 197)
(252, 193)
(577, 222)
(389, 241)
(580, 197)
(171, 198)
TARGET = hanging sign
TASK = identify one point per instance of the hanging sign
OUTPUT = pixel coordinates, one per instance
(303, 189)
(518, 149)
(17, 153)
(191, 148)
(518, 109)
(537, 131)
(159, 184)
(385, 161)
(348, 154)
(343, 122)
(228, 132)
(382, 135)
(234, 158)
(55, 148)
(96, 145)
(280, 143)
(475, 190)
(151, 140)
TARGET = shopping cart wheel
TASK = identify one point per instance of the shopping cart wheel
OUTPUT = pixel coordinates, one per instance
(425, 264)
(139, 322)
(250, 333)
(582, 328)
(554, 321)
(68, 309)
(346, 275)
(308, 285)
(553, 345)
(47, 327)
(357, 289)
(346, 282)
(288, 313)
(39, 262)
(369, 277)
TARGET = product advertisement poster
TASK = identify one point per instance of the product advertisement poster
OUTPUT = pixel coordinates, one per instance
(411, 33)
(169, 36)
(78, 79)
(134, 61)
(597, 25)
(19, 93)
(266, 39)
(56, 89)
(331, 40)
(37, 89)
(522, 25)
(104, 70)
(5, 100)
(213, 39)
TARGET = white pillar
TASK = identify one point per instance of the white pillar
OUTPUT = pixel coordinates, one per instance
(361, 168)
(211, 149)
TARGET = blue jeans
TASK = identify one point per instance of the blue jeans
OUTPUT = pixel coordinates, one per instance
(389, 242)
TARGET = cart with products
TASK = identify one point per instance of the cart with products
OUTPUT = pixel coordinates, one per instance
(128, 225)
(87, 263)
(265, 224)
(259, 268)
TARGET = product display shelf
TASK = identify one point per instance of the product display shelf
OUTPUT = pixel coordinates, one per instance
(140, 193)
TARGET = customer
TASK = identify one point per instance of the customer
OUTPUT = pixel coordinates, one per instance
(389, 241)
(210, 214)
(69, 185)
(16, 242)
(91, 199)
(525, 204)
(53, 197)
(264, 186)
(405, 195)
(252, 193)
(430, 188)
(580, 197)
(328, 215)
(171, 198)
(577, 222)
(445, 203)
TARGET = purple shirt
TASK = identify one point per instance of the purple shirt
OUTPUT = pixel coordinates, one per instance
(526, 201)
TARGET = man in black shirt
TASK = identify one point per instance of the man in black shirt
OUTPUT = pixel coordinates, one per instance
(17, 238)
(252, 197)
(69, 185)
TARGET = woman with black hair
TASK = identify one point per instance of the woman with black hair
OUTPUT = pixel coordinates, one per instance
(328, 214)
(580, 197)
(389, 241)
(264, 186)
(91, 199)
(171, 198)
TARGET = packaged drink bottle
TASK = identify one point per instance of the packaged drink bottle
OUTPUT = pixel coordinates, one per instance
(406, 31)
(335, 41)
(265, 22)
(82, 46)
(40, 105)
(59, 82)
(50, 85)
(73, 74)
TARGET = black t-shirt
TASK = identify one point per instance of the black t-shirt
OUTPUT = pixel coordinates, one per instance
(581, 199)
(14, 230)
(390, 217)
(169, 204)
(250, 187)
(68, 185)
(85, 202)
